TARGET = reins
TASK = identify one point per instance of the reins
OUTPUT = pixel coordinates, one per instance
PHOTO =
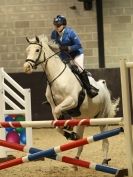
(46, 60)
(50, 83)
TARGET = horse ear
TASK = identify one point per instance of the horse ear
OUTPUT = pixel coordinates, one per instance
(45, 38)
(37, 39)
(27, 40)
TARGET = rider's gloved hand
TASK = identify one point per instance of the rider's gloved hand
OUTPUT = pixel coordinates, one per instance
(64, 48)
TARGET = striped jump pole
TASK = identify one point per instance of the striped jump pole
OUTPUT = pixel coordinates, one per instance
(54, 123)
(52, 152)
(65, 159)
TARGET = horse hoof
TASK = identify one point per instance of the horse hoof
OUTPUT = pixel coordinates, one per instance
(71, 136)
(122, 173)
(76, 157)
(106, 161)
(69, 128)
(75, 168)
(74, 136)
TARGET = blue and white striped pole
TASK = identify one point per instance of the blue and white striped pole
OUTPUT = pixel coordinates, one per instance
(51, 153)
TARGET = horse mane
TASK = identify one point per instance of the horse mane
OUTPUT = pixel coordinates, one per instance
(44, 39)
(51, 43)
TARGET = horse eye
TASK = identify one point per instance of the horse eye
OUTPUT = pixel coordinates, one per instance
(37, 50)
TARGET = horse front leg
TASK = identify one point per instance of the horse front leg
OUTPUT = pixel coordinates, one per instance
(67, 104)
(105, 146)
(52, 104)
(59, 129)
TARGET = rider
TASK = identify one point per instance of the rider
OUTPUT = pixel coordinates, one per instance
(71, 48)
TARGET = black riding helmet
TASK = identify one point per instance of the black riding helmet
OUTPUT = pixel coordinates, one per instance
(60, 20)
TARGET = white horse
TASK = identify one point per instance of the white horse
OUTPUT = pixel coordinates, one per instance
(63, 88)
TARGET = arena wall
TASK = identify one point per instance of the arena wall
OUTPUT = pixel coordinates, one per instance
(37, 83)
(21, 18)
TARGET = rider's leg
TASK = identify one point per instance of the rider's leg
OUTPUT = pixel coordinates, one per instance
(79, 61)
(91, 91)
(83, 74)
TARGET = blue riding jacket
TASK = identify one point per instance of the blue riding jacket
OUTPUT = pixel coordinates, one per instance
(69, 38)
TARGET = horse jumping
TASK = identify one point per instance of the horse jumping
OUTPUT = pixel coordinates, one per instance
(64, 89)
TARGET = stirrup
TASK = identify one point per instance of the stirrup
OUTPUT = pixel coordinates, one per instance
(94, 88)
(92, 92)
(92, 95)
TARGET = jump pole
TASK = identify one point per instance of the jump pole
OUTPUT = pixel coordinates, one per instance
(54, 123)
(127, 112)
(51, 153)
(69, 160)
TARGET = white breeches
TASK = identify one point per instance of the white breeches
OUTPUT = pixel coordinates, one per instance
(79, 61)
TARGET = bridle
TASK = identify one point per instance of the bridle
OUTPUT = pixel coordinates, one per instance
(36, 62)
(45, 60)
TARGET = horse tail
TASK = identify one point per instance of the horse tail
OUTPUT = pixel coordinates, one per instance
(110, 107)
(114, 108)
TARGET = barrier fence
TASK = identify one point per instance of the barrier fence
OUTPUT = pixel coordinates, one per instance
(72, 122)
(52, 152)
(14, 100)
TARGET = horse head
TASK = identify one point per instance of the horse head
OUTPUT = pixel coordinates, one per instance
(34, 53)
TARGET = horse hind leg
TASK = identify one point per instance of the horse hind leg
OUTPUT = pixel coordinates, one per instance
(79, 132)
(105, 146)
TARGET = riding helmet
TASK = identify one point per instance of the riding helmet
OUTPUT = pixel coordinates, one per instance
(59, 20)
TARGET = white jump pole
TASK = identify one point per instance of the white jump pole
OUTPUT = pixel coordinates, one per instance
(54, 123)
(127, 113)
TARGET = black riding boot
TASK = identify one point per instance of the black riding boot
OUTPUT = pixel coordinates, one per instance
(91, 91)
